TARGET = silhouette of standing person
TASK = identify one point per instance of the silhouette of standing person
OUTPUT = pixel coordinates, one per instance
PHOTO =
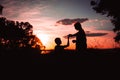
(80, 41)
(60, 48)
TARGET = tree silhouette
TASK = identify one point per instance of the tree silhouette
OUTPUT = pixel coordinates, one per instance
(110, 8)
(14, 34)
(1, 8)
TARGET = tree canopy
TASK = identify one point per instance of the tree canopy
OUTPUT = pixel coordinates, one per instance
(14, 34)
(110, 8)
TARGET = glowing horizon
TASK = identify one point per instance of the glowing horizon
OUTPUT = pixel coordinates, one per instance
(92, 42)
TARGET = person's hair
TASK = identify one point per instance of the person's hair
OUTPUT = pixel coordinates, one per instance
(78, 26)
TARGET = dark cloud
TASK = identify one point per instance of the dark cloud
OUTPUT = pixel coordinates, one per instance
(89, 34)
(95, 34)
(71, 21)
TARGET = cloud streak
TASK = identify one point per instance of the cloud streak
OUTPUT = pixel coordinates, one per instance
(95, 34)
(68, 21)
(90, 34)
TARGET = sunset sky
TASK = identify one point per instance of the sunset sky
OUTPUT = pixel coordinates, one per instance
(55, 18)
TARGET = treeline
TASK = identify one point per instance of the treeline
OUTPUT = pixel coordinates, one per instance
(16, 35)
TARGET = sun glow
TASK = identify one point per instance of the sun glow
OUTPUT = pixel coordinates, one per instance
(44, 38)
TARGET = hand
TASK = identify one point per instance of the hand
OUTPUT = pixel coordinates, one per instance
(69, 35)
(74, 41)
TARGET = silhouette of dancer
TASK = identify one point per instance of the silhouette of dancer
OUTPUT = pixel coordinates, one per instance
(60, 48)
(80, 41)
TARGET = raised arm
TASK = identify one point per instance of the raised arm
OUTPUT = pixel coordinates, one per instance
(68, 43)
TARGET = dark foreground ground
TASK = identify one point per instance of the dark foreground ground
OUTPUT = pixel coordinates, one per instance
(94, 62)
(69, 57)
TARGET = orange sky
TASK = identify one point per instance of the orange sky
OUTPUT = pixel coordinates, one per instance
(43, 15)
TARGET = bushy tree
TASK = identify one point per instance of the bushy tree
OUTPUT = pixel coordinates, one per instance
(14, 34)
(110, 8)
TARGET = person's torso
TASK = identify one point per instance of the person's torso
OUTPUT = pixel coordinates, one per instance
(81, 37)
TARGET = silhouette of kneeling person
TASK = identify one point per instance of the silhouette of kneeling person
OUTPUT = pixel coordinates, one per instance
(60, 48)
(80, 41)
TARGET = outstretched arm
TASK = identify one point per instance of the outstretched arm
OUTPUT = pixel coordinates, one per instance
(72, 35)
(68, 43)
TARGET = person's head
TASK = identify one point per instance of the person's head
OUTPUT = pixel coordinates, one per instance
(58, 41)
(77, 26)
